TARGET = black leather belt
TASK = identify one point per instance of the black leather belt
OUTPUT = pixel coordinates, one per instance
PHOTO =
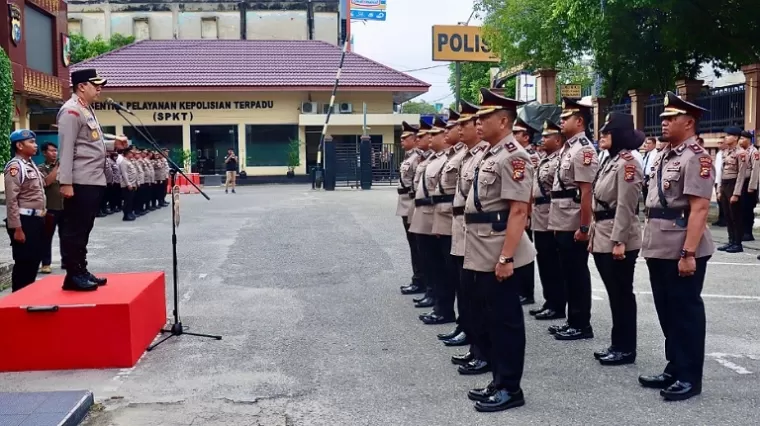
(487, 217)
(402, 191)
(412, 194)
(439, 199)
(542, 200)
(604, 215)
(423, 202)
(668, 214)
(568, 193)
(458, 211)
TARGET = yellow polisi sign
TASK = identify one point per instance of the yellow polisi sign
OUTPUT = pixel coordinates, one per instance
(460, 43)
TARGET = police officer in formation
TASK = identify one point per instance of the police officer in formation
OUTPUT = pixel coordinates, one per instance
(733, 179)
(749, 192)
(25, 209)
(576, 207)
(405, 206)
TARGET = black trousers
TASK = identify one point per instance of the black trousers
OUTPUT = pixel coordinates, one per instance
(734, 214)
(128, 195)
(617, 276)
(749, 202)
(678, 301)
(163, 189)
(573, 256)
(115, 196)
(414, 252)
(468, 309)
(528, 280)
(52, 219)
(449, 281)
(77, 221)
(157, 193)
(27, 255)
(500, 327)
(550, 271)
(427, 247)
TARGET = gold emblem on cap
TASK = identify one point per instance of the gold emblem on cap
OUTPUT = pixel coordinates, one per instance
(607, 119)
(666, 100)
(546, 125)
(480, 98)
(563, 105)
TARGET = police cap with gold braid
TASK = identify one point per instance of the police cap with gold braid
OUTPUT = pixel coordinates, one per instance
(522, 126)
(453, 117)
(676, 106)
(407, 130)
(551, 128)
(424, 128)
(467, 111)
(571, 107)
(439, 125)
(490, 102)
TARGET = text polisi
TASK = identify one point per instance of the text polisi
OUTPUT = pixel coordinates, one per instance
(460, 43)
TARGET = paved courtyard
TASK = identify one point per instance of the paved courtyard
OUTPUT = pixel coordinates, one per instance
(304, 287)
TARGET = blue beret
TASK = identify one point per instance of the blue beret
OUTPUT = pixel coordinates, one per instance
(733, 131)
(22, 135)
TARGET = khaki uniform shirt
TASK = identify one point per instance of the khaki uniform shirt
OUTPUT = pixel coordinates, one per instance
(617, 188)
(753, 167)
(504, 174)
(158, 167)
(465, 177)
(149, 172)
(534, 156)
(81, 147)
(140, 172)
(447, 185)
(421, 217)
(109, 171)
(115, 172)
(53, 197)
(686, 171)
(578, 163)
(24, 189)
(167, 168)
(129, 173)
(405, 204)
(735, 167)
(542, 187)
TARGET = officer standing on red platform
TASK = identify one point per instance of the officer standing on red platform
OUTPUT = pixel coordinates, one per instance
(25, 209)
(81, 174)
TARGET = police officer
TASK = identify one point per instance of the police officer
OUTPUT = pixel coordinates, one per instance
(524, 133)
(25, 209)
(53, 203)
(104, 208)
(128, 180)
(81, 174)
(616, 234)
(405, 204)
(139, 200)
(547, 252)
(115, 187)
(474, 361)
(749, 195)
(159, 172)
(677, 245)
(732, 181)
(164, 184)
(570, 217)
(422, 219)
(496, 245)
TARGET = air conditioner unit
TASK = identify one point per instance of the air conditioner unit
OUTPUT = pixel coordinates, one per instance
(326, 108)
(346, 108)
(309, 108)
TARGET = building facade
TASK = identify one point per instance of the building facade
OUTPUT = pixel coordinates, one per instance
(35, 38)
(195, 20)
(253, 96)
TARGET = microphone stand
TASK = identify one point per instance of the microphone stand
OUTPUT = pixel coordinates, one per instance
(176, 329)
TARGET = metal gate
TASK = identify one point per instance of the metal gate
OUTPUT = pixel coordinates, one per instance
(386, 161)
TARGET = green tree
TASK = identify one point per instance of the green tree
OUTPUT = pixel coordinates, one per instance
(474, 76)
(418, 107)
(83, 49)
(7, 107)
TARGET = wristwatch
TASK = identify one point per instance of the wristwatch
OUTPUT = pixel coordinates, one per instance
(584, 229)
(504, 260)
(685, 253)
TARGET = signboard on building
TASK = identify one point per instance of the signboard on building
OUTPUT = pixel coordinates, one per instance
(460, 43)
(370, 10)
(573, 91)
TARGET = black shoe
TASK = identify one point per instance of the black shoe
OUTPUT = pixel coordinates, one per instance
(101, 213)
(660, 381)
(549, 314)
(436, 319)
(604, 352)
(500, 401)
(554, 329)
(536, 311)
(421, 298)
(725, 246)
(575, 334)
(482, 394)
(748, 237)
(680, 391)
(527, 301)
(412, 289)
(618, 358)
(447, 336)
(99, 281)
(425, 303)
(458, 340)
(78, 283)
(128, 218)
(736, 248)
(462, 359)
(474, 367)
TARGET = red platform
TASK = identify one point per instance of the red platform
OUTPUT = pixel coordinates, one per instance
(107, 328)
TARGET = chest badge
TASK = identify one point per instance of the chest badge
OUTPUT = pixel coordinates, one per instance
(666, 184)
(95, 135)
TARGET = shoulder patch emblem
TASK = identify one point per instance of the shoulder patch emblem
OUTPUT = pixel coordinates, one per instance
(757, 155)
(511, 147)
(696, 148)
(584, 142)
(13, 170)
(626, 156)
(72, 112)
(588, 157)
(518, 170)
(630, 172)
(705, 167)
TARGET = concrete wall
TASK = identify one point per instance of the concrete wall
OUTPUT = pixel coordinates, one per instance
(195, 20)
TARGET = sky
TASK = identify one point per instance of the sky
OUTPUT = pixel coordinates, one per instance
(404, 41)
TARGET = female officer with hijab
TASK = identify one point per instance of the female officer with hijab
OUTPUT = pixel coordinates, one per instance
(615, 232)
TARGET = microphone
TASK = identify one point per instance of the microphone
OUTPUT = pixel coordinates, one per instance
(111, 102)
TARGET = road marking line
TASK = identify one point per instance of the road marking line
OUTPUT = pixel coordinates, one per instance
(202, 276)
(738, 369)
(717, 263)
(596, 297)
(714, 296)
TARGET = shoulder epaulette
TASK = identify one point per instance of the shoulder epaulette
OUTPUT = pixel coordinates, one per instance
(584, 141)
(19, 169)
(511, 147)
(627, 156)
(696, 148)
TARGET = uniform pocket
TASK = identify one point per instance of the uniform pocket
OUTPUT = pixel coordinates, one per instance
(488, 230)
(671, 226)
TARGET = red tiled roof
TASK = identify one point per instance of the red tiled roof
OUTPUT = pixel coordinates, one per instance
(261, 64)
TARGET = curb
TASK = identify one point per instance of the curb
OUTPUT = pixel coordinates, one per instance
(79, 412)
(6, 268)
